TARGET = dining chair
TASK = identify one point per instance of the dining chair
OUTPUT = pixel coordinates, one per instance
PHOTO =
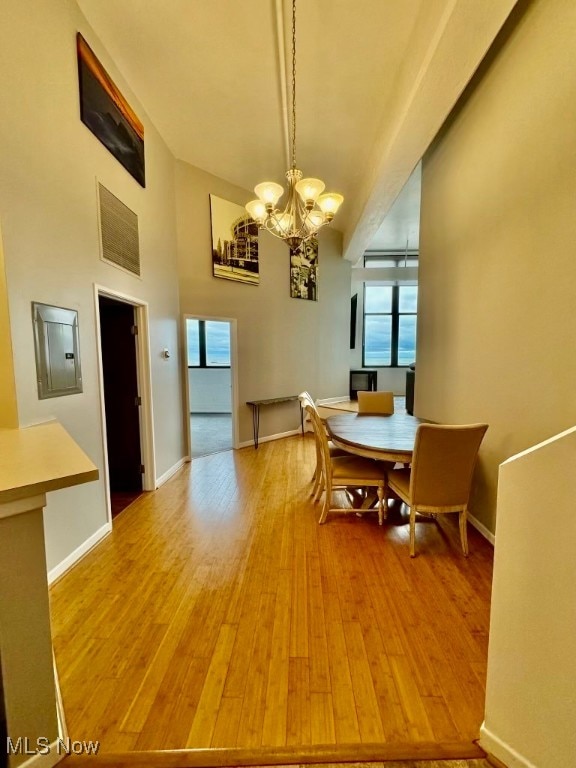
(440, 478)
(376, 403)
(345, 471)
(306, 400)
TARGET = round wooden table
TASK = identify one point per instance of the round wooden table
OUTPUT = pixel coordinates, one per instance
(388, 438)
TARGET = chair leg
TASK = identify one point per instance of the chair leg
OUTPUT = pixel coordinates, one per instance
(412, 532)
(381, 499)
(463, 519)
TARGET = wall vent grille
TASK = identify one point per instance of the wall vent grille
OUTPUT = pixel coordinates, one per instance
(118, 232)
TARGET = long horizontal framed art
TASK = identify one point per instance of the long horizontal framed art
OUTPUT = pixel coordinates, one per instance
(105, 111)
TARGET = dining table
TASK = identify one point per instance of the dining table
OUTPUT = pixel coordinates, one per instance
(384, 437)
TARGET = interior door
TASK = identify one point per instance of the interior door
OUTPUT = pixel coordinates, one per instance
(119, 366)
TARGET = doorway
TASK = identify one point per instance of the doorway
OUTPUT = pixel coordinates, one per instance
(122, 402)
(210, 384)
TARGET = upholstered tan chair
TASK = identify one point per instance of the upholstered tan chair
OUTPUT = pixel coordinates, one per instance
(440, 478)
(345, 472)
(376, 403)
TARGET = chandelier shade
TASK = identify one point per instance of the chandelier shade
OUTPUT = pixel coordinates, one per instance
(306, 209)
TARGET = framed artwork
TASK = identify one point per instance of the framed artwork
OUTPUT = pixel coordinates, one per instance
(304, 271)
(234, 242)
(107, 114)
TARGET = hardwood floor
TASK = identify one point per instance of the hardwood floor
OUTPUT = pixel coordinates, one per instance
(220, 614)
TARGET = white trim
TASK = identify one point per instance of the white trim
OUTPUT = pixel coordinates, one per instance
(269, 438)
(79, 552)
(488, 535)
(329, 400)
(494, 746)
(172, 471)
(43, 760)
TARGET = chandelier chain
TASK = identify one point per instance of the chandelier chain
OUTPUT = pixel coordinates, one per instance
(306, 208)
(293, 83)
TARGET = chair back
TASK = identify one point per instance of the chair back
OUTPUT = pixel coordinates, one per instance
(376, 403)
(443, 464)
(322, 450)
(306, 399)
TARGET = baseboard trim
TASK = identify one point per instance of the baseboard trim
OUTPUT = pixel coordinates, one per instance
(172, 471)
(269, 438)
(78, 553)
(502, 751)
(488, 535)
(323, 753)
(328, 400)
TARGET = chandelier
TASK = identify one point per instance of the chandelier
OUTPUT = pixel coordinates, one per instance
(307, 209)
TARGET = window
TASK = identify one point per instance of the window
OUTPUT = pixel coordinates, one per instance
(391, 260)
(389, 325)
(208, 343)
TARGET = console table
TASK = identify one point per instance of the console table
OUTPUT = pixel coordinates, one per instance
(255, 404)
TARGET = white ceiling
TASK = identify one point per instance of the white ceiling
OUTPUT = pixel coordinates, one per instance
(214, 78)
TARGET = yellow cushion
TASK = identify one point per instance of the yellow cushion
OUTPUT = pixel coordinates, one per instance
(357, 467)
(399, 481)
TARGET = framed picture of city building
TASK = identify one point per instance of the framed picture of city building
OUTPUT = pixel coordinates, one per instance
(304, 271)
(234, 242)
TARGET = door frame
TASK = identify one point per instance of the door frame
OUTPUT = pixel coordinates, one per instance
(143, 372)
(233, 373)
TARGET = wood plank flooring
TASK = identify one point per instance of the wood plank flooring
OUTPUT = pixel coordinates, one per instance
(220, 614)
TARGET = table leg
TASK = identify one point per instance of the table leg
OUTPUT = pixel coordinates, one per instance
(301, 417)
(256, 423)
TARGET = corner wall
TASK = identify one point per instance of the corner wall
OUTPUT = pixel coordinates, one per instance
(49, 163)
(531, 681)
(496, 322)
(285, 345)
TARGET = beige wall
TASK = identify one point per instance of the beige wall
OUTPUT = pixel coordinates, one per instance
(530, 702)
(8, 401)
(284, 345)
(496, 317)
(49, 162)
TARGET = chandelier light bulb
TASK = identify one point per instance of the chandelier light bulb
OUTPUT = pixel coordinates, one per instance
(256, 209)
(269, 192)
(309, 189)
(283, 224)
(329, 204)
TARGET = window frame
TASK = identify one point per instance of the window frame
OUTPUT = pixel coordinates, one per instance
(202, 346)
(395, 316)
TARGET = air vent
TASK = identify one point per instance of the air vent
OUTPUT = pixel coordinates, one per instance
(118, 232)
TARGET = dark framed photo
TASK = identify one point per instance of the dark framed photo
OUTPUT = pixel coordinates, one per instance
(108, 115)
(304, 271)
(234, 242)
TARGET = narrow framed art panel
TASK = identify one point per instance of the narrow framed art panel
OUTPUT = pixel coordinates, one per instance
(234, 242)
(105, 111)
(304, 271)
